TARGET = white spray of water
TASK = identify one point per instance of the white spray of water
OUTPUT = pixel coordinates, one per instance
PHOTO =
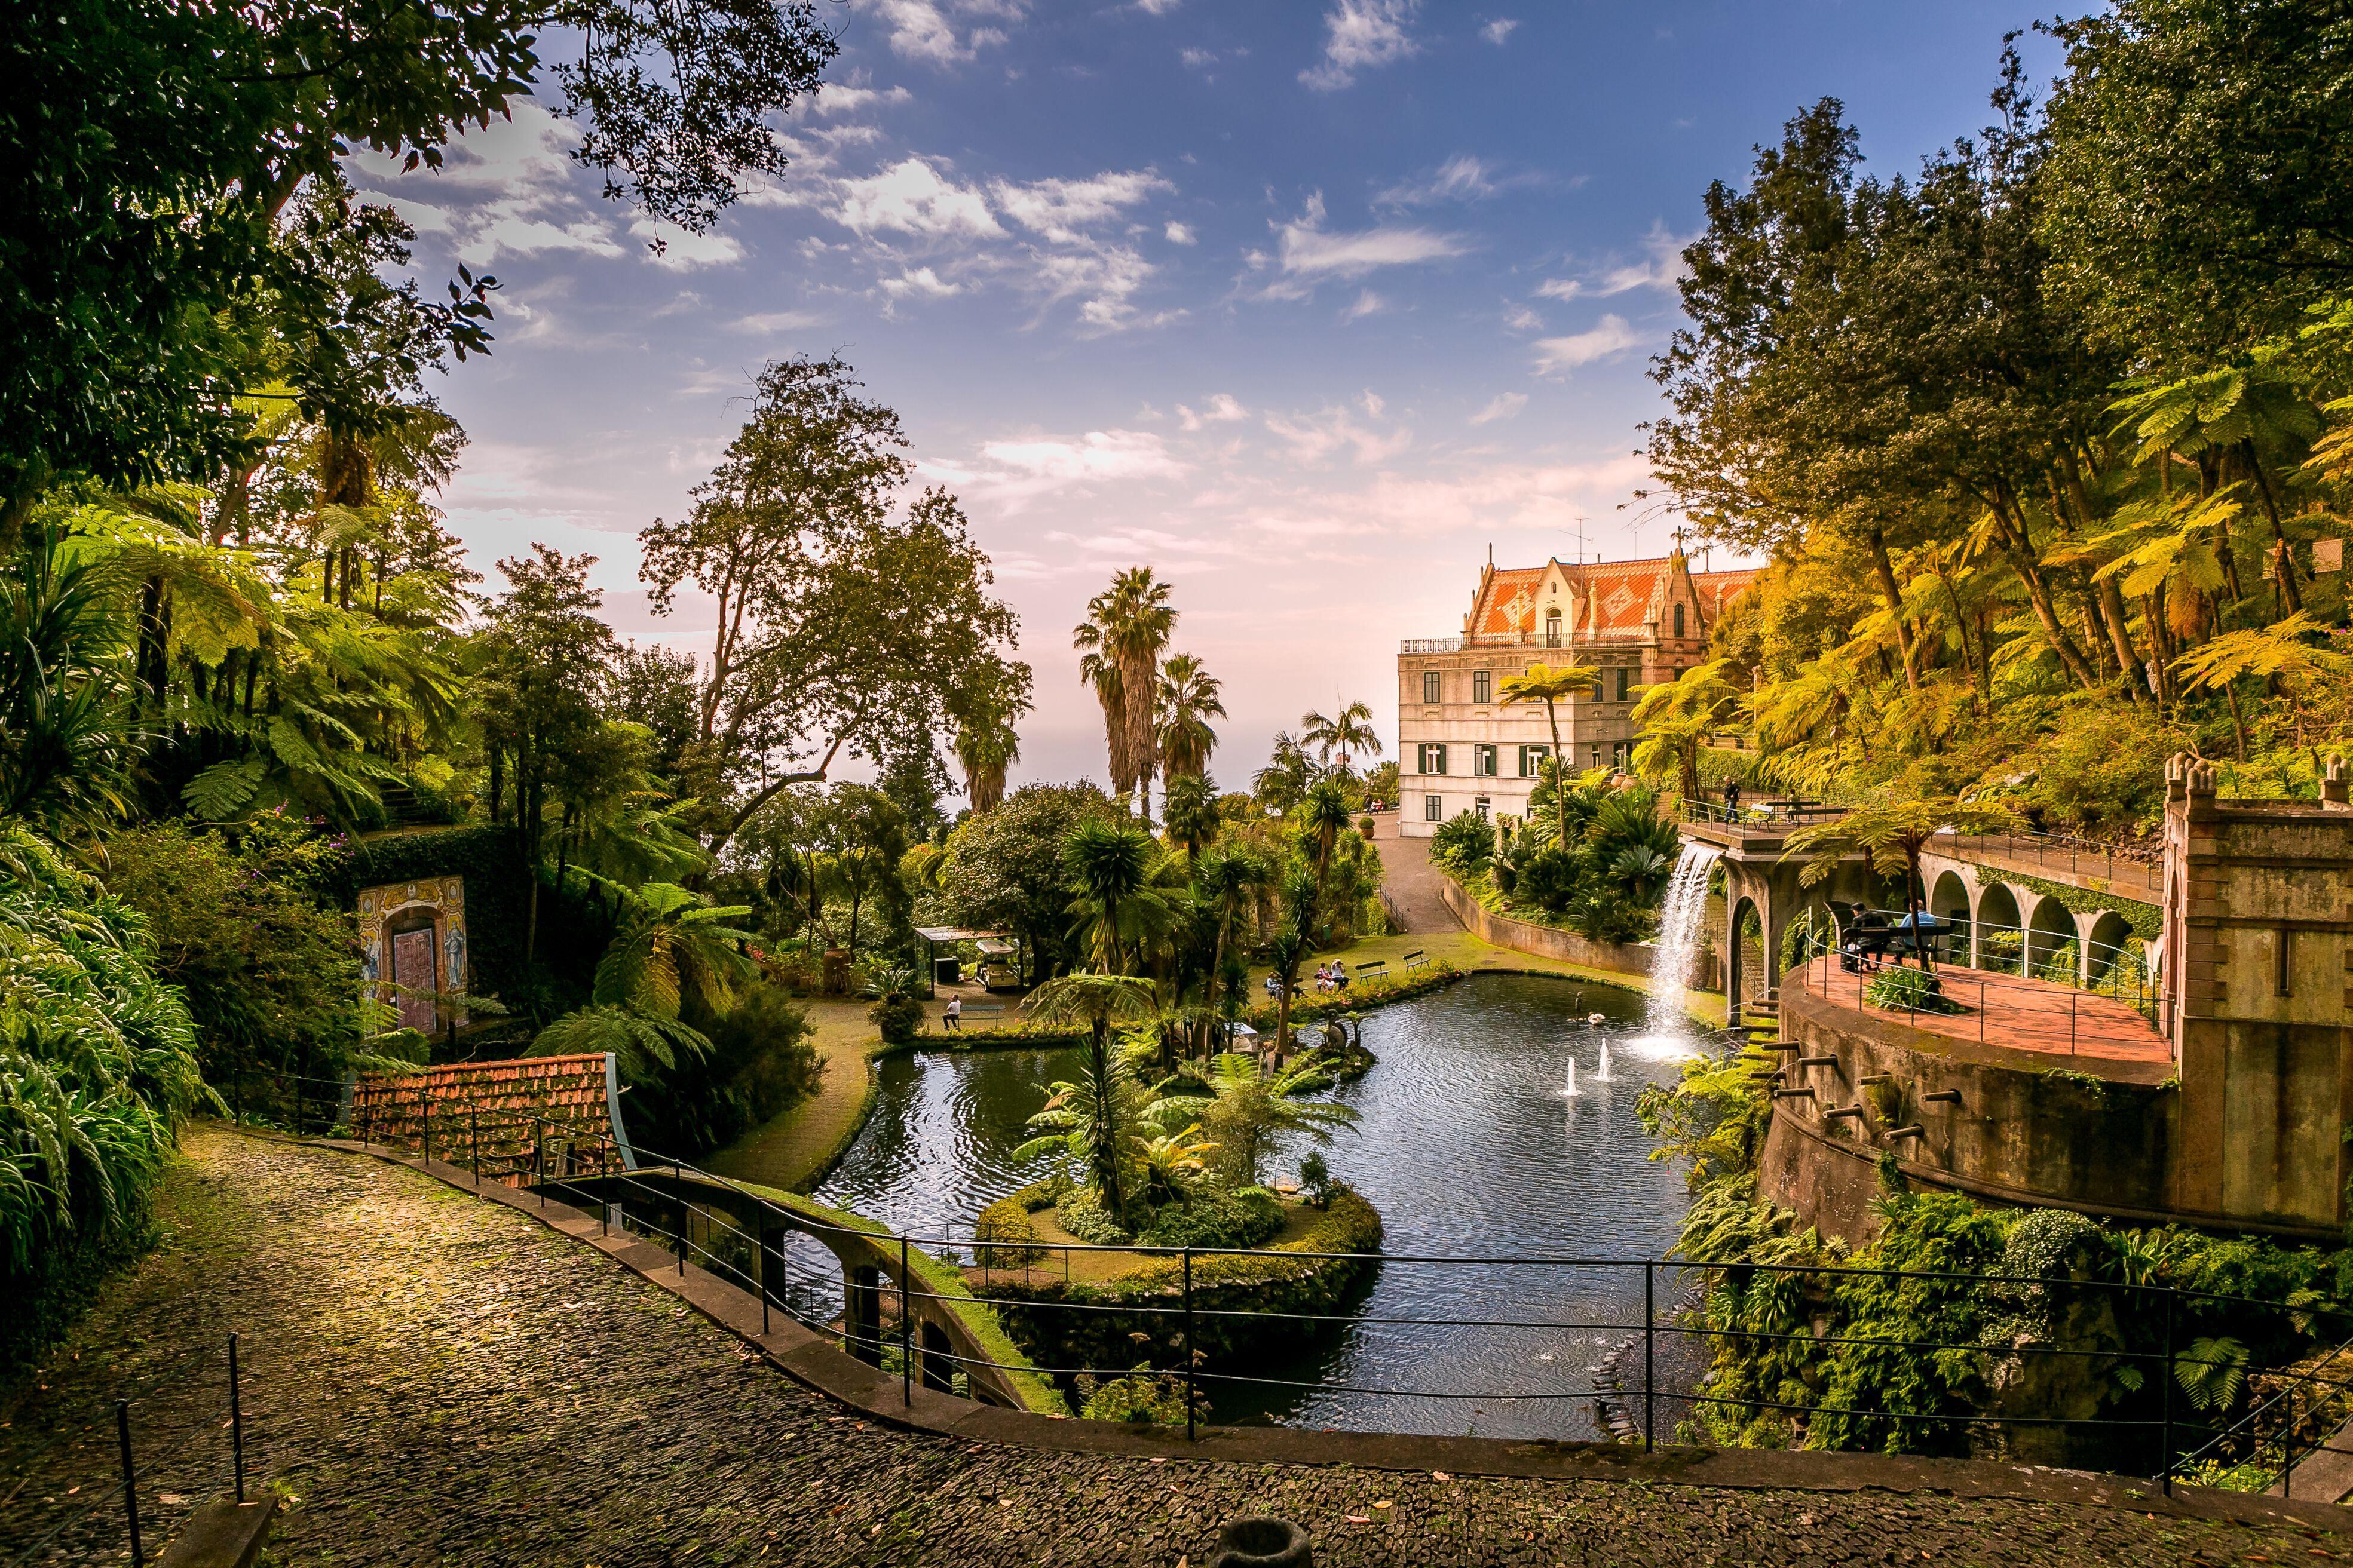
(1570, 1092)
(1602, 1072)
(1676, 964)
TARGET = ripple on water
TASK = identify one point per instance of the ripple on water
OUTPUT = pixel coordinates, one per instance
(1466, 1147)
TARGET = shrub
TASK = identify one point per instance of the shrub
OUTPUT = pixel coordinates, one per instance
(1549, 879)
(762, 1059)
(900, 1018)
(1464, 842)
(1006, 1232)
(1141, 1396)
(1215, 1217)
(1365, 825)
(1084, 1215)
(1901, 990)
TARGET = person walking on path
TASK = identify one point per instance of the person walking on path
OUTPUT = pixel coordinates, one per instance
(954, 1016)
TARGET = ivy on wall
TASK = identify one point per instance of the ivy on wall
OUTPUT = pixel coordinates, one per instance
(2146, 920)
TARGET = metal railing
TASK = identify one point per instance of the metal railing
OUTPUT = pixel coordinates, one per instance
(1753, 1306)
(174, 1458)
(1775, 816)
(2133, 868)
(1999, 955)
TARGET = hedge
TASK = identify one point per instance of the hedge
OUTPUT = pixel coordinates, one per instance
(1148, 1299)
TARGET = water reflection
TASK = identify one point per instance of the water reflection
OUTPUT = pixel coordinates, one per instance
(1468, 1146)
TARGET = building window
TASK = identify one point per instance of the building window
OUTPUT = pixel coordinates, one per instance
(1593, 756)
(1483, 807)
(1429, 686)
(1551, 628)
(1622, 753)
(1678, 618)
(1482, 761)
(1625, 681)
(1481, 691)
(1532, 759)
(1431, 811)
(1433, 759)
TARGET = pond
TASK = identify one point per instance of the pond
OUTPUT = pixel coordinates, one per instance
(1469, 1147)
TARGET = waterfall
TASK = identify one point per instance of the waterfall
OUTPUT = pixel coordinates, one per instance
(1678, 946)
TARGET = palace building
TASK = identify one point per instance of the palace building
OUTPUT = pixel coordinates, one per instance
(1461, 749)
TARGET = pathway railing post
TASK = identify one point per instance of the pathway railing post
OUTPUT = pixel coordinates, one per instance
(2165, 1375)
(1649, 1357)
(1192, 1350)
(474, 1125)
(235, 1420)
(906, 1331)
(425, 1140)
(129, 1478)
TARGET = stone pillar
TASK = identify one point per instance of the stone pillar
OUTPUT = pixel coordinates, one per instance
(862, 1317)
(2335, 788)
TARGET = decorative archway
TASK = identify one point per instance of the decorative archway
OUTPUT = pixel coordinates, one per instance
(1948, 900)
(1746, 977)
(2050, 944)
(412, 946)
(2110, 959)
(2000, 935)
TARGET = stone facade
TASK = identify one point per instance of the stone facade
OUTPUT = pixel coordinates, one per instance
(2257, 995)
(1460, 748)
(412, 941)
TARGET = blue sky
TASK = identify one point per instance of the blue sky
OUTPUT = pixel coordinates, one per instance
(1305, 304)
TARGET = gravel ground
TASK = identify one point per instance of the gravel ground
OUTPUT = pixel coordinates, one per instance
(433, 1380)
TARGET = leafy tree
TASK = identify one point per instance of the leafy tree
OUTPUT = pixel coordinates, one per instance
(864, 836)
(1544, 684)
(1113, 869)
(1674, 717)
(543, 662)
(838, 623)
(1190, 809)
(1004, 871)
(69, 735)
(157, 147)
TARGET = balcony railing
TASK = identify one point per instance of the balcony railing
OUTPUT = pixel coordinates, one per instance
(1515, 639)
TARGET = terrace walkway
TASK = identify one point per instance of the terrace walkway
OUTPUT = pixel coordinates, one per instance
(2006, 1010)
(435, 1379)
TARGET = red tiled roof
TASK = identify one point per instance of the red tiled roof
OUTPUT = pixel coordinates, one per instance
(1615, 598)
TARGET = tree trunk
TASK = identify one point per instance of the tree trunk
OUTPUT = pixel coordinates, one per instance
(2291, 599)
(1894, 595)
(1138, 687)
(1979, 676)
(2018, 547)
(2113, 612)
(1559, 777)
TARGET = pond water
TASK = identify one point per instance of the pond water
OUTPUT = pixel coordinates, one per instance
(1470, 1149)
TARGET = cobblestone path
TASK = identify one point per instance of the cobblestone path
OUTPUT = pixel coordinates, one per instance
(436, 1380)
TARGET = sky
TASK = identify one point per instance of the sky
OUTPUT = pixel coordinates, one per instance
(1305, 304)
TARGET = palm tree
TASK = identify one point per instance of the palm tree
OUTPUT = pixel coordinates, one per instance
(987, 745)
(1112, 867)
(1137, 621)
(1543, 683)
(1225, 882)
(1099, 1104)
(1246, 1107)
(1189, 701)
(1674, 716)
(1890, 835)
(1287, 773)
(1189, 812)
(1347, 732)
(1099, 667)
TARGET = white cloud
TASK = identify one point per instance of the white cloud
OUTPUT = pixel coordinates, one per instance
(1367, 303)
(1158, 7)
(1608, 336)
(1312, 437)
(915, 198)
(1459, 178)
(1358, 34)
(682, 250)
(1520, 319)
(1222, 409)
(1012, 471)
(772, 322)
(1660, 266)
(515, 235)
(1496, 31)
(1058, 208)
(1199, 60)
(834, 98)
(1181, 233)
(1307, 249)
(924, 29)
(923, 282)
(1504, 406)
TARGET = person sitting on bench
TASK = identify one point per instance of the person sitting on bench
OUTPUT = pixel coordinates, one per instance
(952, 1017)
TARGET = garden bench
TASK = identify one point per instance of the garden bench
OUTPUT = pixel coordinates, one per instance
(1416, 959)
(1377, 967)
(981, 1012)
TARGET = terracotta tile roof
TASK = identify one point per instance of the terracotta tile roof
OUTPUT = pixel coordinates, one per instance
(1614, 598)
(514, 1112)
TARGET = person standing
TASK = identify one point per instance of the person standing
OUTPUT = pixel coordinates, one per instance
(954, 1016)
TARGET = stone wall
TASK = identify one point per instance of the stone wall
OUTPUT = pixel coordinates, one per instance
(1548, 941)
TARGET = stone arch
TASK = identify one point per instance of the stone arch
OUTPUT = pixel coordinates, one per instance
(1948, 899)
(1746, 977)
(1999, 932)
(938, 1358)
(1813, 930)
(2107, 943)
(2050, 932)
